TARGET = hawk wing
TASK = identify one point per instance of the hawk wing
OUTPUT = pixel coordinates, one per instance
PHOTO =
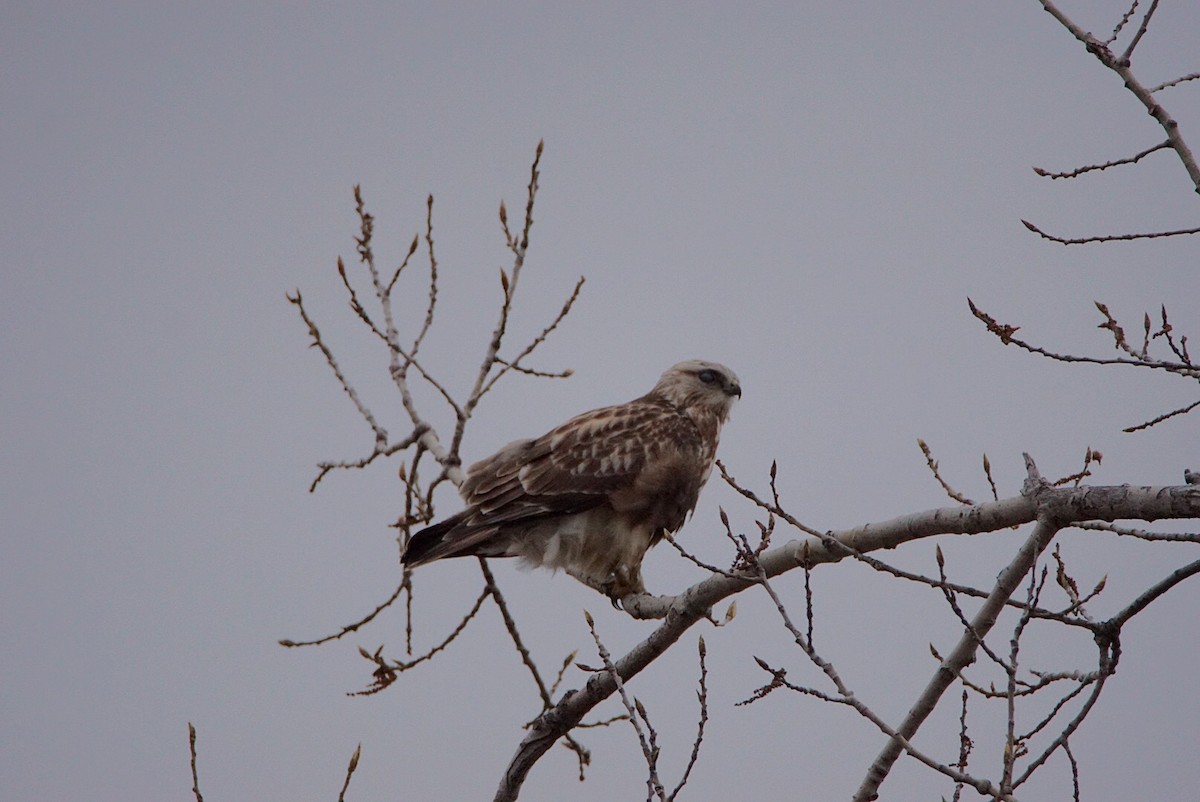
(645, 459)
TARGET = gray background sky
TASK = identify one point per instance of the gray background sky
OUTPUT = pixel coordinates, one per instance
(807, 193)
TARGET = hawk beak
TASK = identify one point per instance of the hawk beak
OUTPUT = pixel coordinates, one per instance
(736, 389)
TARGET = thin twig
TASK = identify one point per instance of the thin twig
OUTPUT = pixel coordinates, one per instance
(387, 672)
(987, 471)
(562, 671)
(1163, 417)
(1141, 31)
(1005, 333)
(433, 283)
(649, 752)
(350, 772)
(965, 745)
(1066, 747)
(508, 284)
(346, 630)
(1140, 534)
(381, 436)
(1107, 237)
(1095, 167)
(1154, 592)
(1013, 745)
(584, 756)
(771, 507)
(933, 467)
(380, 450)
(515, 363)
(702, 695)
(1108, 651)
(195, 775)
(1192, 76)
(1120, 26)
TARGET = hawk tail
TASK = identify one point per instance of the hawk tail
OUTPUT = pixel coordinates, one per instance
(449, 538)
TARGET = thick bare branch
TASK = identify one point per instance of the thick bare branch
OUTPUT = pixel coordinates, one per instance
(1059, 506)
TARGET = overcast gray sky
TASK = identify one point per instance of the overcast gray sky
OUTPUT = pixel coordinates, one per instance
(805, 192)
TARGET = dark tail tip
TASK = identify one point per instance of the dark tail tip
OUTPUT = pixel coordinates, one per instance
(425, 541)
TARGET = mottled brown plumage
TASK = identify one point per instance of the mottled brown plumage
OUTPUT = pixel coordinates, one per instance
(592, 495)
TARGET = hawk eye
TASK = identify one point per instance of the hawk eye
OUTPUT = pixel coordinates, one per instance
(707, 376)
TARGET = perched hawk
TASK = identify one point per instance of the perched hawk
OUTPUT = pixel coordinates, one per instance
(592, 495)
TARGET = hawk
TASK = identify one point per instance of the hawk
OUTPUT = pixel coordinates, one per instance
(594, 494)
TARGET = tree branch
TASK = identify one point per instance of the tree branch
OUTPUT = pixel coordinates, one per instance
(1120, 65)
(1059, 506)
(962, 655)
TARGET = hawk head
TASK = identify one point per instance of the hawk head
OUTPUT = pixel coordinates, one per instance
(701, 386)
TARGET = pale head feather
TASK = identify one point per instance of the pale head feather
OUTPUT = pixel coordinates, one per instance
(700, 386)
